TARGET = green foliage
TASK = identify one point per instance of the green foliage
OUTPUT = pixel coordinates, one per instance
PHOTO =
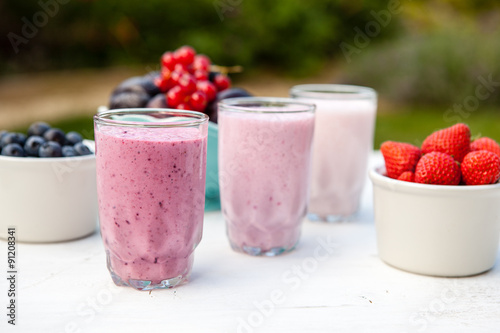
(412, 125)
(292, 35)
(443, 66)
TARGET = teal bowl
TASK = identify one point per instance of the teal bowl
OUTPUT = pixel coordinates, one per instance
(212, 199)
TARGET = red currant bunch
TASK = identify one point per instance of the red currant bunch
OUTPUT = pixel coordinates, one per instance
(186, 80)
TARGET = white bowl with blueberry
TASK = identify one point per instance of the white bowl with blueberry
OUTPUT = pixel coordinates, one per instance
(47, 185)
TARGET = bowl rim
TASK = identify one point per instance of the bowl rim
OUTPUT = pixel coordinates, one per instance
(31, 159)
(378, 178)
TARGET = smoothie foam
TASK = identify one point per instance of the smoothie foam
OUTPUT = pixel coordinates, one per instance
(151, 185)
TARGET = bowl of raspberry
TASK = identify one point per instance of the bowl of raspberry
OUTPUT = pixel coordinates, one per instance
(436, 206)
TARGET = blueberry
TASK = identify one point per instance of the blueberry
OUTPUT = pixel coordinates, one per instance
(82, 149)
(212, 75)
(159, 101)
(139, 84)
(211, 109)
(132, 84)
(148, 83)
(55, 135)
(72, 138)
(68, 151)
(232, 92)
(13, 149)
(2, 133)
(124, 100)
(39, 128)
(8, 138)
(50, 149)
(33, 144)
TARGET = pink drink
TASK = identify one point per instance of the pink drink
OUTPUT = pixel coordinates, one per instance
(151, 191)
(343, 140)
(264, 165)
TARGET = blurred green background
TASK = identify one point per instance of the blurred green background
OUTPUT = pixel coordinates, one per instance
(434, 63)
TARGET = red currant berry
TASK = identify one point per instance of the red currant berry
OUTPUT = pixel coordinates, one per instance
(162, 83)
(222, 82)
(183, 106)
(200, 75)
(175, 96)
(168, 60)
(201, 62)
(187, 82)
(208, 88)
(166, 76)
(181, 68)
(198, 101)
(185, 55)
(165, 72)
(175, 76)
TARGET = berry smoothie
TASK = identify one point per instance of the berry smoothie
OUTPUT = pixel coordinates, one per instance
(343, 140)
(264, 165)
(151, 191)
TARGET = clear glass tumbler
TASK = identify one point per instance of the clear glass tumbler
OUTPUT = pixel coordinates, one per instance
(343, 140)
(264, 165)
(151, 193)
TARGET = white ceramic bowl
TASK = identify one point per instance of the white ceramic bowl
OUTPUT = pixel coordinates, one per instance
(434, 229)
(48, 199)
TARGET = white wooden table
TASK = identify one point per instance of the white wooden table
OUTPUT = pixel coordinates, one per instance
(332, 282)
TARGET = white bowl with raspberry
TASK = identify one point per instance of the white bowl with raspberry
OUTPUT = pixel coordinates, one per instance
(434, 229)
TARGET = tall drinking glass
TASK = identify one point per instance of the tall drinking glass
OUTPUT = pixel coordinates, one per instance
(151, 193)
(343, 140)
(264, 165)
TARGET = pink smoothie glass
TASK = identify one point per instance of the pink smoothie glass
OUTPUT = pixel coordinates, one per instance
(264, 165)
(343, 140)
(151, 193)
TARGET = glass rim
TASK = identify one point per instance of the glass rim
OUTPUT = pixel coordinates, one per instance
(193, 118)
(257, 104)
(332, 91)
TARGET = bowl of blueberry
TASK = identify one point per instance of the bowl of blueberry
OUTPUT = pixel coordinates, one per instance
(188, 81)
(47, 184)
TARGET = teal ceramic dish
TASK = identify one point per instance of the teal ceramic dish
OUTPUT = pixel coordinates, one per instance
(212, 200)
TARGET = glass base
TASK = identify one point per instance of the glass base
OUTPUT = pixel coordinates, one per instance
(145, 285)
(149, 285)
(256, 251)
(330, 218)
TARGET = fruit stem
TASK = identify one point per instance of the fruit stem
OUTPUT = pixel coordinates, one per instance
(226, 69)
(475, 137)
